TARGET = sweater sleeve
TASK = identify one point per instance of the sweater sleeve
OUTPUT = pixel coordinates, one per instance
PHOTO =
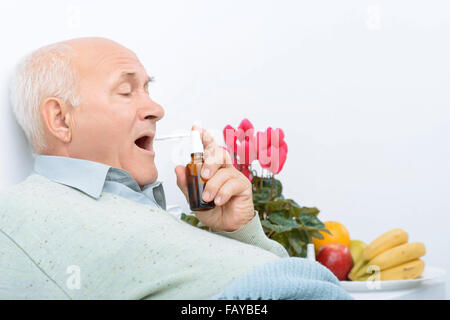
(253, 233)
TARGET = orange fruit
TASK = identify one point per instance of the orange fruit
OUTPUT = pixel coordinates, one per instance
(339, 234)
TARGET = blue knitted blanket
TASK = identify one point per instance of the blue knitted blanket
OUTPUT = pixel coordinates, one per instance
(286, 279)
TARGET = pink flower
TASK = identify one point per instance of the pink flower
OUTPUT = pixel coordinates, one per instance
(247, 152)
(277, 158)
(229, 135)
(278, 137)
(244, 147)
(272, 149)
(245, 130)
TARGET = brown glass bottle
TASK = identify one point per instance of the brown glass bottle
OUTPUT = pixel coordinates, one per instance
(196, 183)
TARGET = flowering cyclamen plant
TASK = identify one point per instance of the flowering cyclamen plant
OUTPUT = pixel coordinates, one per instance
(283, 220)
(246, 146)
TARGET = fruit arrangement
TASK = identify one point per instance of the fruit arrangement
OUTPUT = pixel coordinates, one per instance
(388, 257)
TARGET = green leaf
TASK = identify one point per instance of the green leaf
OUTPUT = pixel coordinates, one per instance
(190, 219)
(311, 211)
(279, 218)
(279, 205)
(311, 221)
(294, 203)
(261, 196)
(305, 236)
(282, 238)
(275, 227)
(265, 187)
(296, 241)
(317, 234)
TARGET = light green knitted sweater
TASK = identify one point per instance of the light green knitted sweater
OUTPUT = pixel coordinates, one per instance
(58, 243)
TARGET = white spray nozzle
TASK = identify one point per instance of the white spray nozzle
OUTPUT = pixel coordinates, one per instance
(196, 142)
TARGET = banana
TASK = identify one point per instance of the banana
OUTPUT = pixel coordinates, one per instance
(409, 270)
(384, 242)
(359, 264)
(392, 257)
(398, 255)
(365, 269)
(363, 278)
(368, 272)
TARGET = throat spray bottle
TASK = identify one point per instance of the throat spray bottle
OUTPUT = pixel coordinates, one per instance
(195, 182)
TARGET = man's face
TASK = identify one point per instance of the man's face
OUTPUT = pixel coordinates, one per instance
(116, 121)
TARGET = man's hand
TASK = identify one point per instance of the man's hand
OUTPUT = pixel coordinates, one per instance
(229, 188)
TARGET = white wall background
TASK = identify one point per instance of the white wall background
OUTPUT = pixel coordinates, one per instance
(361, 89)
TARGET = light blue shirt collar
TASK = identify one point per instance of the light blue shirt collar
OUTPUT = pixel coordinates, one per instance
(93, 178)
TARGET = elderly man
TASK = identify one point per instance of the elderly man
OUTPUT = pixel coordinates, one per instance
(90, 221)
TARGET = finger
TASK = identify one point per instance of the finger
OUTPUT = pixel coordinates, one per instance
(207, 139)
(214, 160)
(230, 188)
(180, 172)
(215, 183)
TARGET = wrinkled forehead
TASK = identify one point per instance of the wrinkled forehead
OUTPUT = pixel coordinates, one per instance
(103, 63)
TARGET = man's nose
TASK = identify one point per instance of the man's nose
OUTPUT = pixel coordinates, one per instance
(151, 110)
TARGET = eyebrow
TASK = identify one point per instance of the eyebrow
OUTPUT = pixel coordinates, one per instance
(124, 75)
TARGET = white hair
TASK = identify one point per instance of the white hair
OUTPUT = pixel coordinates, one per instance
(46, 72)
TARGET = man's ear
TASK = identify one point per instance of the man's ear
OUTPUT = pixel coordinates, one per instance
(56, 118)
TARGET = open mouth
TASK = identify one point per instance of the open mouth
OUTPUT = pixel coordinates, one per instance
(144, 143)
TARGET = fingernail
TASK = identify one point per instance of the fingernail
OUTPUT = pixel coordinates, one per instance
(205, 196)
(218, 199)
(205, 173)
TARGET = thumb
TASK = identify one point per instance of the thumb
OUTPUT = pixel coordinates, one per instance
(180, 172)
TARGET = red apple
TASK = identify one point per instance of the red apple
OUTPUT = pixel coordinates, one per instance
(337, 258)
